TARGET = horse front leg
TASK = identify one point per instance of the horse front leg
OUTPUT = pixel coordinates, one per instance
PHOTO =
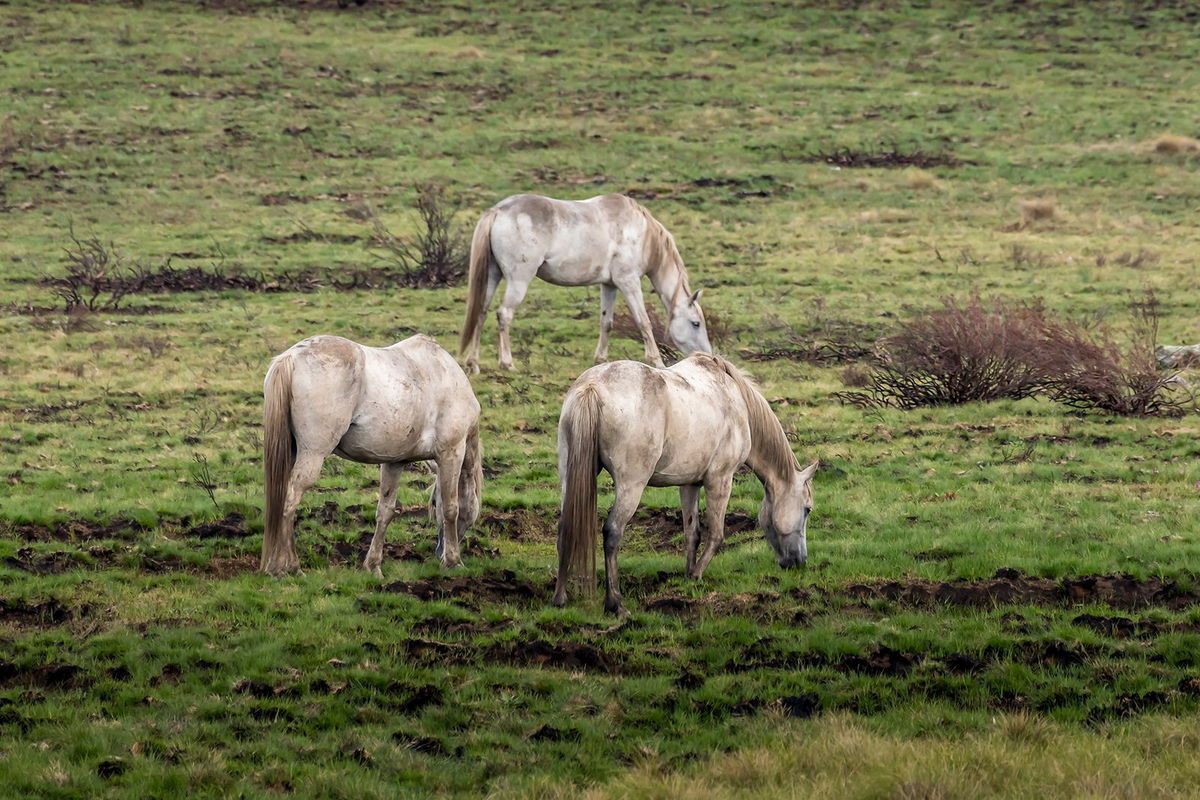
(608, 300)
(385, 510)
(717, 492)
(637, 309)
(689, 501)
(449, 465)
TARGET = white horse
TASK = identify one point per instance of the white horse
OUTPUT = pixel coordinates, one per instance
(609, 240)
(689, 426)
(375, 405)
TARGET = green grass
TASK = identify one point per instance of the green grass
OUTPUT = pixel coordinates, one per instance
(208, 135)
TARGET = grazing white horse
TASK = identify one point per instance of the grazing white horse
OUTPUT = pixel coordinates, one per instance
(689, 426)
(609, 240)
(375, 405)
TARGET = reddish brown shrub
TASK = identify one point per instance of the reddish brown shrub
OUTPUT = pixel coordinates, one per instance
(960, 353)
(1092, 370)
(971, 351)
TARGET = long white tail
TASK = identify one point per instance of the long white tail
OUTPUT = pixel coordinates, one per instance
(577, 526)
(279, 452)
(477, 276)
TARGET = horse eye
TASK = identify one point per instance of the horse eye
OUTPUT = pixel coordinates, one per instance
(695, 324)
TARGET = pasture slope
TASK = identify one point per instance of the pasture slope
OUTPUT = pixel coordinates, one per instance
(1000, 599)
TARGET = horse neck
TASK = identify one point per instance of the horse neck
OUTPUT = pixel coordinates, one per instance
(770, 458)
(773, 478)
(669, 281)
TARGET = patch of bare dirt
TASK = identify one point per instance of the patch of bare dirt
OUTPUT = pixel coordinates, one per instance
(562, 655)
(54, 675)
(888, 156)
(502, 587)
(1009, 586)
(519, 525)
(664, 527)
(719, 188)
(233, 526)
(77, 530)
(34, 614)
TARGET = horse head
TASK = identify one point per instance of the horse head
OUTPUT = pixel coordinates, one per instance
(686, 325)
(783, 517)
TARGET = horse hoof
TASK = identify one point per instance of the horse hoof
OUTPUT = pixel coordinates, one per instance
(559, 601)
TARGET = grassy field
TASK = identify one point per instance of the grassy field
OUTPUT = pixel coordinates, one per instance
(995, 592)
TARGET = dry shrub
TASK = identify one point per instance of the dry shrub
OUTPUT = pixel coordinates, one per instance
(96, 279)
(959, 353)
(965, 352)
(1173, 144)
(438, 255)
(1091, 370)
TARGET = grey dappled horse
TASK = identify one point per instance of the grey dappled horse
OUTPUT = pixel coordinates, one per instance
(689, 426)
(375, 405)
(609, 240)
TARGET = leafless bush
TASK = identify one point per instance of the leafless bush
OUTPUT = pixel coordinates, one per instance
(1091, 369)
(960, 353)
(971, 351)
(96, 279)
(438, 255)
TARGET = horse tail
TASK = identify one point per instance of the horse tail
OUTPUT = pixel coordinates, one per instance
(577, 526)
(279, 450)
(480, 261)
(470, 481)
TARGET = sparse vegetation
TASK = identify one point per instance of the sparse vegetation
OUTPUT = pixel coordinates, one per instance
(991, 583)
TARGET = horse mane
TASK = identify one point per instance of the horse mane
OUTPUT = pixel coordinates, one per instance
(768, 442)
(659, 250)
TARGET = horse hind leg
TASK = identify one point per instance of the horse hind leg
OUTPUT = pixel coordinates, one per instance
(389, 481)
(689, 501)
(514, 293)
(283, 559)
(493, 280)
(717, 492)
(627, 496)
(449, 464)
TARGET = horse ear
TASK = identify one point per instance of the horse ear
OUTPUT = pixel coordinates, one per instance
(807, 473)
(695, 297)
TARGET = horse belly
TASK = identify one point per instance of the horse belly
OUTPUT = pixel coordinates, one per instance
(574, 271)
(386, 441)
